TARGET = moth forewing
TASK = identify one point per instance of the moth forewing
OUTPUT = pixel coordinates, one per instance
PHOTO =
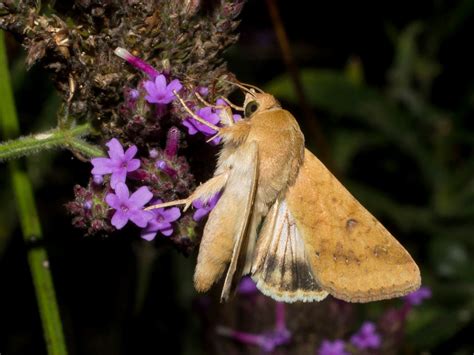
(226, 226)
(352, 255)
(245, 179)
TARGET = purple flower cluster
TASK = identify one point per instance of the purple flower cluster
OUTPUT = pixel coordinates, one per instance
(131, 207)
(336, 347)
(368, 337)
(268, 341)
(417, 297)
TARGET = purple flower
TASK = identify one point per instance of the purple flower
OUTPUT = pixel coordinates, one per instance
(161, 222)
(270, 340)
(194, 126)
(172, 142)
(203, 209)
(136, 62)
(163, 166)
(366, 337)
(266, 341)
(134, 94)
(119, 163)
(335, 347)
(98, 179)
(417, 297)
(129, 207)
(158, 92)
(153, 153)
(247, 286)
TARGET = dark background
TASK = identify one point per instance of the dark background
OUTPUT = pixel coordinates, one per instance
(392, 86)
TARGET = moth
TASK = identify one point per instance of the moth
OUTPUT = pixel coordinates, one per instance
(286, 220)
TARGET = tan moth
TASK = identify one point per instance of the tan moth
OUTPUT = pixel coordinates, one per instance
(287, 221)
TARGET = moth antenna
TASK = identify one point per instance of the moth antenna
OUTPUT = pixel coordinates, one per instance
(247, 90)
(168, 204)
(223, 98)
(253, 87)
(193, 115)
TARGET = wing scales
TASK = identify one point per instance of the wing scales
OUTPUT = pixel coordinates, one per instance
(281, 269)
(352, 255)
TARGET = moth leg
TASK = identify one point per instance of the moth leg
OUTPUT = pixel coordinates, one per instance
(193, 115)
(205, 192)
(168, 204)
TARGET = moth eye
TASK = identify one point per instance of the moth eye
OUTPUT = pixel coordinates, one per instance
(250, 109)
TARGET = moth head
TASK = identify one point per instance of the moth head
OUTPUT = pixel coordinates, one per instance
(259, 102)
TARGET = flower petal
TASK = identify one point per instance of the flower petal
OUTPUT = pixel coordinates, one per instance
(162, 225)
(160, 84)
(140, 197)
(198, 203)
(119, 219)
(140, 217)
(171, 214)
(115, 149)
(200, 214)
(118, 176)
(167, 232)
(121, 190)
(113, 201)
(174, 85)
(130, 152)
(148, 235)
(150, 87)
(133, 165)
(101, 166)
(188, 123)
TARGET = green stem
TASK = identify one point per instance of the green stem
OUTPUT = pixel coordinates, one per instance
(30, 224)
(62, 138)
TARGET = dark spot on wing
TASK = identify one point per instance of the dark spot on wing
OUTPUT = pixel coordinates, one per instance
(351, 224)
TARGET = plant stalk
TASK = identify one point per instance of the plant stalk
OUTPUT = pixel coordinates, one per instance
(30, 224)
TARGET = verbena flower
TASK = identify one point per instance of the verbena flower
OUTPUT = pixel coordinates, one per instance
(129, 207)
(417, 297)
(138, 63)
(158, 92)
(366, 337)
(203, 209)
(267, 341)
(161, 222)
(247, 286)
(163, 166)
(118, 164)
(271, 340)
(335, 347)
(206, 113)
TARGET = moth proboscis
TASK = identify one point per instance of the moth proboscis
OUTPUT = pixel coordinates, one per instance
(286, 220)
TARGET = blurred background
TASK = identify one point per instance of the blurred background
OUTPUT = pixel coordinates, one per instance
(389, 95)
